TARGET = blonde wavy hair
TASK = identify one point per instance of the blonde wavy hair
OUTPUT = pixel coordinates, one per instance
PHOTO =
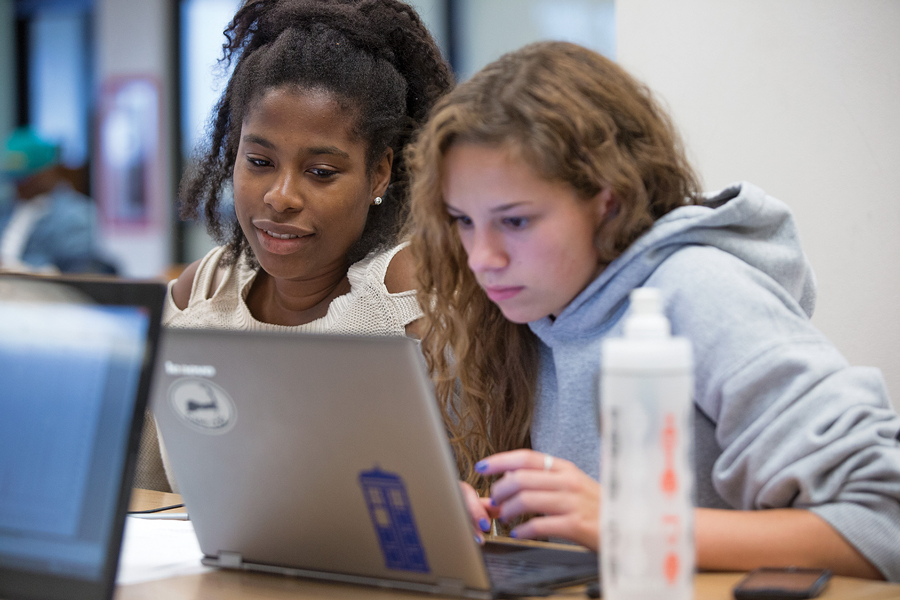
(577, 118)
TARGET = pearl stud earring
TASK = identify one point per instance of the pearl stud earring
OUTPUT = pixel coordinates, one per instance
(377, 200)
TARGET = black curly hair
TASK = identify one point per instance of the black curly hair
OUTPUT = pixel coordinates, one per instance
(375, 56)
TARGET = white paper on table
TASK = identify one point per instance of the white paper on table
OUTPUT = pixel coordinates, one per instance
(158, 549)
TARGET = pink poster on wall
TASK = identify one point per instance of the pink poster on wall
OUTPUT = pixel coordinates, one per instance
(129, 143)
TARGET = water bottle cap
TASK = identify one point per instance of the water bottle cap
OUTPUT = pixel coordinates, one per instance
(645, 318)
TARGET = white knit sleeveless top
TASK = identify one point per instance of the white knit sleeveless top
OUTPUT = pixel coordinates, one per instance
(367, 309)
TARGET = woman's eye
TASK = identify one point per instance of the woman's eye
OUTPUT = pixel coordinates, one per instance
(323, 173)
(460, 220)
(516, 222)
(258, 162)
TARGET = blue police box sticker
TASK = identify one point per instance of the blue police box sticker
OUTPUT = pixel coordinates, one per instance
(393, 520)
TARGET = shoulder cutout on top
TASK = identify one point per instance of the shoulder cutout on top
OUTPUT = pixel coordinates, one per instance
(401, 272)
(181, 291)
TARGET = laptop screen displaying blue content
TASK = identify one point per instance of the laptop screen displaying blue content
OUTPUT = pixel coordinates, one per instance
(71, 379)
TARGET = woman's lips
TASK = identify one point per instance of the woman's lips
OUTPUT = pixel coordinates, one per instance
(281, 239)
(286, 236)
(499, 294)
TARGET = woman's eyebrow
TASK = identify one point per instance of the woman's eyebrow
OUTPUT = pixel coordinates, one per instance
(493, 209)
(505, 207)
(332, 150)
(251, 138)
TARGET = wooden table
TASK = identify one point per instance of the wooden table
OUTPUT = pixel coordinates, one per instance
(235, 585)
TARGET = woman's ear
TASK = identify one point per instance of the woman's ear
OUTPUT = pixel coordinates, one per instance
(381, 174)
(606, 204)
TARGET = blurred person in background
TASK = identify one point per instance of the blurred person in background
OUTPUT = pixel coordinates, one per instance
(45, 224)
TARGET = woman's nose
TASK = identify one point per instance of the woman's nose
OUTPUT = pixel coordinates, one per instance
(284, 194)
(487, 251)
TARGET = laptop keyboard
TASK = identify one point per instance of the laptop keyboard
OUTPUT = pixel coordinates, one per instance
(508, 569)
(518, 569)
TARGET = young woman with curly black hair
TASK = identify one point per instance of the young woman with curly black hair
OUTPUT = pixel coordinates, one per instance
(309, 138)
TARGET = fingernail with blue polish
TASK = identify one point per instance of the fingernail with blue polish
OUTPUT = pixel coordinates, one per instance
(493, 503)
(513, 534)
(479, 539)
(484, 524)
(481, 466)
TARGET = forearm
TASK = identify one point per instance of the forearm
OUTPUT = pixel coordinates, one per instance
(733, 540)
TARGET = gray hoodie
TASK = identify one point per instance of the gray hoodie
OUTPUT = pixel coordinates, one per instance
(781, 419)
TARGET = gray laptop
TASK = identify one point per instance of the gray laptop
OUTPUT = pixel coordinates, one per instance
(326, 457)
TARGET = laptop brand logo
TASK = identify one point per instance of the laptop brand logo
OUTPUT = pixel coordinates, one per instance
(393, 520)
(202, 405)
(191, 370)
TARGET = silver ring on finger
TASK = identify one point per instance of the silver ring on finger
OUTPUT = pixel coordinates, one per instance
(548, 462)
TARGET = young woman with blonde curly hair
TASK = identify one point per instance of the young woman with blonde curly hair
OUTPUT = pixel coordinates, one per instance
(544, 190)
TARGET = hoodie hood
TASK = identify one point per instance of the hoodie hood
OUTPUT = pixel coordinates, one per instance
(741, 220)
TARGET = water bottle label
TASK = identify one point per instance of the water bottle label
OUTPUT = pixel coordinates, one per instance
(647, 545)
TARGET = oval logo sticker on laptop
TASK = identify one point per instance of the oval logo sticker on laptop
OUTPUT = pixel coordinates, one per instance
(202, 405)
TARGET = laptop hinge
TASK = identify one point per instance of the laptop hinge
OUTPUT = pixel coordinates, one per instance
(450, 587)
(230, 560)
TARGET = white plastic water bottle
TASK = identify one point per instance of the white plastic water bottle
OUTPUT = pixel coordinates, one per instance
(646, 511)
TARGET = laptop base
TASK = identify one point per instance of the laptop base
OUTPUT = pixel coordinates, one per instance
(453, 587)
(517, 569)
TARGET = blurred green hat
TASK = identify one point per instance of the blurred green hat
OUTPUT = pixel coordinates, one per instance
(24, 154)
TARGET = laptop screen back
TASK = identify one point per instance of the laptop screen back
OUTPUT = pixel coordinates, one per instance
(73, 385)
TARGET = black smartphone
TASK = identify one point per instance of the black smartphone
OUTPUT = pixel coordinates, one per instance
(782, 584)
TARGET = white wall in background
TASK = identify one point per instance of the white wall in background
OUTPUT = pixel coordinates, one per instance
(801, 98)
